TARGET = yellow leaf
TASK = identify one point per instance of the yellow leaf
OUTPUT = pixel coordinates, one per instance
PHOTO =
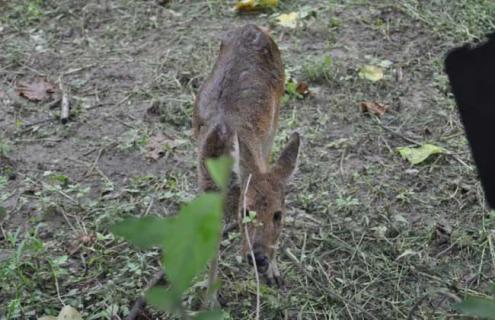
(268, 3)
(288, 20)
(245, 5)
(372, 73)
(251, 5)
(420, 154)
(69, 313)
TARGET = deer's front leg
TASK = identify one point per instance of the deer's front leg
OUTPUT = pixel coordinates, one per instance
(273, 276)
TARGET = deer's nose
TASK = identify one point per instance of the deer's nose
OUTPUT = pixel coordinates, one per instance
(262, 261)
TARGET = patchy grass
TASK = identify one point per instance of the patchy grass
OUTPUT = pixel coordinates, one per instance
(367, 234)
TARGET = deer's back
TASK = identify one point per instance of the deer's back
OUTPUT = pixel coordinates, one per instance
(245, 87)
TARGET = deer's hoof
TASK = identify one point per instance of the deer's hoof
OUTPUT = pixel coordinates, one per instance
(275, 281)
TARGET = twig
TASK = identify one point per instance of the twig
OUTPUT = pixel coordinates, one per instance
(141, 302)
(98, 170)
(75, 70)
(341, 165)
(52, 104)
(67, 219)
(400, 135)
(148, 208)
(57, 288)
(252, 253)
(98, 156)
(65, 105)
(28, 126)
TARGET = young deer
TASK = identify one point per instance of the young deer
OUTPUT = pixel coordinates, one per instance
(237, 112)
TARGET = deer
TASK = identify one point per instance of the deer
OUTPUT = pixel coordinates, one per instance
(236, 113)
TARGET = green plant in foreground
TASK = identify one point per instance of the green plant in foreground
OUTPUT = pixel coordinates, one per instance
(478, 306)
(189, 241)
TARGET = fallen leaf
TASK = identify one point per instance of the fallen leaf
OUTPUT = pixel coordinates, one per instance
(48, 318)
(373, 107)
(158, 144)
(442, 233)
(419, 154)
(400, 219)
(303, 89)
(268, 3)
(254, 5)
(155, 146)
(408, 252)
(385, 63)
(306, 12)
(338, 144)
(291, 89)
(39, 90)
(69, 313)
(380, 231)
(288, 20)
(372, 73)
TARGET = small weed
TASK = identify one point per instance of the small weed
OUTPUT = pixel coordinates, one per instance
(5, 148)
(346, 202)
(319, 70)
(25, 13)
(133, 139)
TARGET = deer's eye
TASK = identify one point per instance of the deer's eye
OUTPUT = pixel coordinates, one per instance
(277, 216)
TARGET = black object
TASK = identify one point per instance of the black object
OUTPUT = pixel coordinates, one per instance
(471, 71)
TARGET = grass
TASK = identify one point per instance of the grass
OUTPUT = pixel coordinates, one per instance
(367, 234)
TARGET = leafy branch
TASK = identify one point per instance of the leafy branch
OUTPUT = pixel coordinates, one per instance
(189, 241)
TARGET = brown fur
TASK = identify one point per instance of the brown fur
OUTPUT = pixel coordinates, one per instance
(239, 104)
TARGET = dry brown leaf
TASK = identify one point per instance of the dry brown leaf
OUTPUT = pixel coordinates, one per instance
(38, 90)
(155, 146)
(373, 107)
(159, 143)
(303, 89)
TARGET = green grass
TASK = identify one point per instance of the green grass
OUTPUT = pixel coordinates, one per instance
(367, 234)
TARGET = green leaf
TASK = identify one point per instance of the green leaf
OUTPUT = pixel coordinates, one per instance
(192, 239)
(3, 212)
(291, 88)
(372, 73)
(220, 170)
(143, 232)
(478, 307)
(211, 315)
(163, 299)
(420, 154)
(250, 218)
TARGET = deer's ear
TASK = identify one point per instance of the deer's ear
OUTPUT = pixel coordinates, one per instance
(217, 142)
(287, 162)
(246, 159)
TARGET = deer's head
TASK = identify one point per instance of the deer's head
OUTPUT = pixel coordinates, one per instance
(262, 205)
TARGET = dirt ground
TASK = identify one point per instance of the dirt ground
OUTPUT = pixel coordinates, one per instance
(368, 235)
